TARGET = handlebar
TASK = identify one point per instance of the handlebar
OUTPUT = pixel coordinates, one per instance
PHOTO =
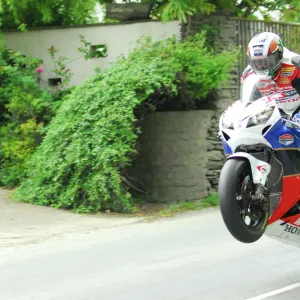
(292, 122)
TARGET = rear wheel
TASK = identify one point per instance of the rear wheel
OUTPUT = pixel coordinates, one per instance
(244, 216)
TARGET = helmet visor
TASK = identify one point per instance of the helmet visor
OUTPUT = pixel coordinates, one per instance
(264, 64)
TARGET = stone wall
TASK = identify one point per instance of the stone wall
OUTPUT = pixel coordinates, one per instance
(181, 156)
(226, 35)
(173, 156)
(215, 155)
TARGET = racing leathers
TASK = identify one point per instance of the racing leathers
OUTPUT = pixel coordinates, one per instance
(286, 83)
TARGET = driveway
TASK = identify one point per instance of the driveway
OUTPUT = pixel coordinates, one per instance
(22, 223)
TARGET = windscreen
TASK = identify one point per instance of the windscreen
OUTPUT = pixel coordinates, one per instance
(249, 91)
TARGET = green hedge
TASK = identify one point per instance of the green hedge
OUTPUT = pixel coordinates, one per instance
(92, 138)
(24, 111)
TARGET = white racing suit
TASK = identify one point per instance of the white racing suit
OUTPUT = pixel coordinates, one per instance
(286, 82)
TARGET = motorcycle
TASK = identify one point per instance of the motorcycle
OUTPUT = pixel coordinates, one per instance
(259, 185)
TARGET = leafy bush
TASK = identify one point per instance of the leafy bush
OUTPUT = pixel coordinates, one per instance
(24, 110)
(92, 138)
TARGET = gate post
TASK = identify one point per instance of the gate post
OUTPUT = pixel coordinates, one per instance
(226, 28)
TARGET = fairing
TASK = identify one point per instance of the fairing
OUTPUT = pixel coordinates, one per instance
(276, 134)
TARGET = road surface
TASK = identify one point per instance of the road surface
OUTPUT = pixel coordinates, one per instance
(190, 257)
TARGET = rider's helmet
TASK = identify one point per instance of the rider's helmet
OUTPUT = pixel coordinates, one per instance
(265, 54)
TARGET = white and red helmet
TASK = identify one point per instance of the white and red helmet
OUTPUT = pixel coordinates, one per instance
(265, 53)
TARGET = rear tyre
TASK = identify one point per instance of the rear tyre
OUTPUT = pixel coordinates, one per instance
(245, 218)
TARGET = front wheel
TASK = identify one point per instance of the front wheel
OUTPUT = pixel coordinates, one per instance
(244, 217)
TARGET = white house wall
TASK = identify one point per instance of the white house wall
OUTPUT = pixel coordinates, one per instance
(118, 38)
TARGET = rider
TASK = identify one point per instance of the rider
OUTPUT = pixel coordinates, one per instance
(278, 70)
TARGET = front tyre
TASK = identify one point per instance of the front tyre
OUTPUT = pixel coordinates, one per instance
(245, 218)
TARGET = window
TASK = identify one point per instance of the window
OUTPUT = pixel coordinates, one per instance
(98, 51)
(54, 81)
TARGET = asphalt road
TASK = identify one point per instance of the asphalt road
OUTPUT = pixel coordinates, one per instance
(190, 257)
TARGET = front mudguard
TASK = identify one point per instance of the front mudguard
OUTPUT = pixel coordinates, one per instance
(260, 169)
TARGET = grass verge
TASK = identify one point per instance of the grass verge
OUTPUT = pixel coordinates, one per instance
(210, 201)
(164, 211)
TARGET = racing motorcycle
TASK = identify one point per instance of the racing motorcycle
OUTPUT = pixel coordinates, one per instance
(259, 185)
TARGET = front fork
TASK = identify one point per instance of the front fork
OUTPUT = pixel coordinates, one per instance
(260, 169)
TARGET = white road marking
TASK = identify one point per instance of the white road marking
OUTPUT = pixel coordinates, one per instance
(276, 292)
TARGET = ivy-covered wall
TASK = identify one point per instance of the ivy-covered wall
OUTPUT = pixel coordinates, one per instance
(181, 155)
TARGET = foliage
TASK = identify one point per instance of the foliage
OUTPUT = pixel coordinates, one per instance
(167, 10)
(46, 12)
(68, 12)
(60, 68)
(179, 9)
(85, 49)
(291, 12)
(80, 163)
(25, 109)
(210, 32)
(288, 9)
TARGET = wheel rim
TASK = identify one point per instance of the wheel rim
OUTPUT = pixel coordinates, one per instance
(251, 212)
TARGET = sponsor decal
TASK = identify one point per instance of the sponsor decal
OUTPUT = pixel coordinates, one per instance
(270, 99)
(288, 69)
(262, 84)
(269, 90)
(266, 91)
(286, 74)
(286, 139)
(290, 93)
(263, 169)
(258, 50)
(258, 46)
(284, 80)
(266, 88)
(285, 88)
(292, 225)
(291, 229)
(288, 100)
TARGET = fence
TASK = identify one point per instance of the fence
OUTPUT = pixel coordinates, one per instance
(246, 29)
